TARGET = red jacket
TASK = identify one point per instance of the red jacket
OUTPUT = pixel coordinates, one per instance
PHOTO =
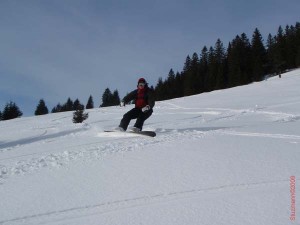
(142, 97)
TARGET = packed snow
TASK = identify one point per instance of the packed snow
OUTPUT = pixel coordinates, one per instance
(224, 157)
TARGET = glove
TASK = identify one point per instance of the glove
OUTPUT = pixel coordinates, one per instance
(146, 108)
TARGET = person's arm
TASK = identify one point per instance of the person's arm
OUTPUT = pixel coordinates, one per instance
(131, 96)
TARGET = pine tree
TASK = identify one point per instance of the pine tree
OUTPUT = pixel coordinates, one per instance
(178, 86)
(170, 85)
(171, 76)
(90, 103)
(195, 74)
(68, 106)
(107, 98)
(41, 108)
(115, 98)
(297, 38)
(203, 69)
(259, 59)
(77, 105)
(58, 108)
(11, 111)
(270, 67)
(187, 64)
(79, 116)
(239, 56)
(280, 51)
(212, 70)
(219, 51)
(246, 57)
(195, 61)
(159, 90)
(291, 50)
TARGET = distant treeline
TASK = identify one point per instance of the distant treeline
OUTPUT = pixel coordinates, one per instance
(243, 62)
(12, 111)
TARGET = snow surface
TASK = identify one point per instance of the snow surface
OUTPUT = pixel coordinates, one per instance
(224, 157)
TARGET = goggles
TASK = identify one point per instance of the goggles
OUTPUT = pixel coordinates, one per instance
(141, 84)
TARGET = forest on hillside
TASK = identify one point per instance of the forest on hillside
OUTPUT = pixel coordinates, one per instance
(216, 67)
(242, 62)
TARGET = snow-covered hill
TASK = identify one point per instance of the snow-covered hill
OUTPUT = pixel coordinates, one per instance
(224, 157)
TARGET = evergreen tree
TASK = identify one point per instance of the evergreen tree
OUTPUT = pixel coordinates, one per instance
(41, 108)
(110, 99)
(178, 87)
(195, 61)
(116, 98)
(297, 43)
(280, 51)
(159, 90)
(203, 69)
(194, 75)
(68, 106)
(58, 108)
(290, 43)
(233, 76)
(212, 70)
(259, 59)
(246, 58)
(77, 105)
(90, 103)
(219, 52)
(187, 64)
(11, 111)
(79, 116)
(171, 76)
(239, 56)
(270, 67)
(106, 98)
(170, 89)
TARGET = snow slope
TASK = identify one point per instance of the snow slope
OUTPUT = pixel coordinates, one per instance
(224, 157)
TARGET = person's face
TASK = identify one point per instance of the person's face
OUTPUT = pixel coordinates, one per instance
(141, 85)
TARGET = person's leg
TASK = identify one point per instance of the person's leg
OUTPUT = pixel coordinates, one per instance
(132, 114)
(141, 119)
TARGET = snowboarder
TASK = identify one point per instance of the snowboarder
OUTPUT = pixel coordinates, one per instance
(144, 103)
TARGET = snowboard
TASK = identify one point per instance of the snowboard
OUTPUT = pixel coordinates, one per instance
(143, 132)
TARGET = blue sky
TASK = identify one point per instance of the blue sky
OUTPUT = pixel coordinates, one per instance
(75, 48)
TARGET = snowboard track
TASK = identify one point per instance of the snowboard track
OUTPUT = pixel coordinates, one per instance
(95, 151)
(99, 150)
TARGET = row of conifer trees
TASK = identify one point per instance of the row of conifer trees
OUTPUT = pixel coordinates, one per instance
(12, 111)
(243, 62)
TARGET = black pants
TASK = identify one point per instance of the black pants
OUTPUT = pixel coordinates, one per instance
(135, 113)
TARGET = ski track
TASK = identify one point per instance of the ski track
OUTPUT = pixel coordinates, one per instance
(42, 137)
(131, 203)
(93, 151)
(99, 150)
(262, 135)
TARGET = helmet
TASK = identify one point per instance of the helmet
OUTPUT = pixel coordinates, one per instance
(142, 80)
